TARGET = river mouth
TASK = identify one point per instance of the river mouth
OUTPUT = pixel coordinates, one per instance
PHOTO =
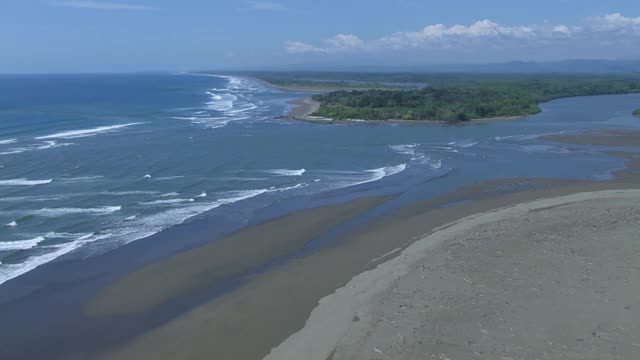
(88, 212)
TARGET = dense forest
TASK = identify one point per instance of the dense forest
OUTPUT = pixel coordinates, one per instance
(464, 97)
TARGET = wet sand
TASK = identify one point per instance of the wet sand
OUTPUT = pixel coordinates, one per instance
(267, 307)
(250, 321)
(303, 109)
(158, 283)
(600, 137)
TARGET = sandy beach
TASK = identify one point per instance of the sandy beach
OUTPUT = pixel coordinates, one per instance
(552, 278)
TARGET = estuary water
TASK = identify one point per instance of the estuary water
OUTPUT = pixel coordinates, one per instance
(89, 163)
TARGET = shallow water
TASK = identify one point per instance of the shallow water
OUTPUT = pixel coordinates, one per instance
(89, 163)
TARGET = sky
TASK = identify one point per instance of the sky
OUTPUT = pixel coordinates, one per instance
(39, 36)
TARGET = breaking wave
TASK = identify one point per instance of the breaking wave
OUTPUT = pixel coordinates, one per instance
(287, 172)
(20, 245)
(24, 182)
(72, 134)
(56, 212)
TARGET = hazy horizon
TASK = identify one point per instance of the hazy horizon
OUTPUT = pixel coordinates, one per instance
(88, 36)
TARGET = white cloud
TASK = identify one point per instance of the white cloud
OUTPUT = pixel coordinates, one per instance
(340, 42)
(101, 5)
(562, 30)
(615, 22)
(297, 47)
(484, 32)
(265, 5)
(344, 41)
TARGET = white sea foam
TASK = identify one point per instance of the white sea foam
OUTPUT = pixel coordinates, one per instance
(136, 228)
(233, 103)
(167, 177)
(10, 271)
(221, 102)
(167, 202)
(52, 144)
(56, 212)
(342, 179)
(39, 198)
(24, 182)
(436, 164)
(450, 149)
(88, 178)
(286, 188)
(13, 151)
(212, 122)
(464, 143)
(8, 141)
(202, 195)
(34, 198)
(12, 224)
(380, 173)
(72, 134)
(287, 172)
(147, 176)
(20, 245)
(74, 236)
(410, 150)
(419, 156)
(170, 194)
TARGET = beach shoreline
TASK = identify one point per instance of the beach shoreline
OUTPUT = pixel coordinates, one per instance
(277, 304)
(407, 295)
(171, 304)
(303, 108)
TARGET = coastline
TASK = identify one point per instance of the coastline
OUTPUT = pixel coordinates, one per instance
(303, 108)
(283, 88)
(277, 303)
(211, 299)
(134, 316)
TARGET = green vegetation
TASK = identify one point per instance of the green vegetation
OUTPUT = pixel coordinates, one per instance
(459, 98)
(332, 81)
(636, 112)
(442, 96)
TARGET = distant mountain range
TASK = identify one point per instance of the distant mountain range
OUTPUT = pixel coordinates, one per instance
(564, 66)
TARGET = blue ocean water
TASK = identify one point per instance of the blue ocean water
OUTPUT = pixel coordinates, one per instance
(89, 163)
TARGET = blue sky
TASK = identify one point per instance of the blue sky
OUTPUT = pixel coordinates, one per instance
(147, 35)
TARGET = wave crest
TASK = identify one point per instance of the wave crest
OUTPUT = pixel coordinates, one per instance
(24, 182)
(20, 245)
(287, 172)
(72, 134)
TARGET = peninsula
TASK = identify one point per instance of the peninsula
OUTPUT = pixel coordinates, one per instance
(442, 97)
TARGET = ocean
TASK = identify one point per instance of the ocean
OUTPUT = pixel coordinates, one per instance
(90, 163)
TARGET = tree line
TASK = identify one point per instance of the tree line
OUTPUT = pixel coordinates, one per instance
(460, 99)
